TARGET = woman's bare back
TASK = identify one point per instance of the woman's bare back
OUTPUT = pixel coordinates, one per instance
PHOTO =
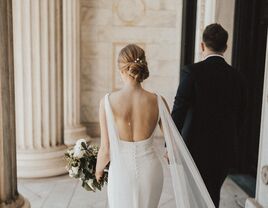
(135, 113)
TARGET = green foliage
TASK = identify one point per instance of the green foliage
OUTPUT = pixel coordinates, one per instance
(81, 164)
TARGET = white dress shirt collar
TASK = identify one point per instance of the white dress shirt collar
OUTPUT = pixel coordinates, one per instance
(211, 55)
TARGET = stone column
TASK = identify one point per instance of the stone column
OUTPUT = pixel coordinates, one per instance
(38, 87)
(73, 130)
(261, 199)
(9, 196)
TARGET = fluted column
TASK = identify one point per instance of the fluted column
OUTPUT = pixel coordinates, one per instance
(73, 130)
(9, 196)
(38, 87)
(261, 199)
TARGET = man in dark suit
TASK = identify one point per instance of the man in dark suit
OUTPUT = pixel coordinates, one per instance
(209, 110)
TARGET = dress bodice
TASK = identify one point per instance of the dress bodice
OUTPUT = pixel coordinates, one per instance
(138, 149)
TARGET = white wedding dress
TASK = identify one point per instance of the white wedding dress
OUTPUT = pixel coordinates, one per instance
(136, 170)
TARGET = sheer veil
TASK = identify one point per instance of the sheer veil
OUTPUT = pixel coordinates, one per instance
(188, 186)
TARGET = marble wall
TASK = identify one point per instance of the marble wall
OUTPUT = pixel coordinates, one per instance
(106, 27)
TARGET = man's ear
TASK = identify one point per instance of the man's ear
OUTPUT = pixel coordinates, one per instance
(225, 48)
(203, 46)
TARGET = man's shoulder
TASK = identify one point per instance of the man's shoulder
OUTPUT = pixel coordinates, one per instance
(234, 71)
(192, 67)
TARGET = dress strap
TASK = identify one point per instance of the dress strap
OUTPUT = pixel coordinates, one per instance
(112, 131)
(158, 102)
(106, 104)
(110, 116)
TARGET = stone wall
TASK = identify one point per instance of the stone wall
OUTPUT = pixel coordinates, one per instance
(106, 27)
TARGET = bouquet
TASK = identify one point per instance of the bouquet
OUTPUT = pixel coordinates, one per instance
(81, 164)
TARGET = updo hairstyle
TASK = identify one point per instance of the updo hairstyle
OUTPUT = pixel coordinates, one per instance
(132, 60)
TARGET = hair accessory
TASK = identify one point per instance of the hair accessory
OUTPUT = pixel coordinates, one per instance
(138, 61)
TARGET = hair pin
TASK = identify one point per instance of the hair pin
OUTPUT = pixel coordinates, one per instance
(138, 60)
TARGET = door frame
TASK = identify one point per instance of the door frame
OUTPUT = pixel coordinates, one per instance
(248, 57)
(188, 31)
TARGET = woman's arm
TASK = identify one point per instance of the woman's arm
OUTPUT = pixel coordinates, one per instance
(104, 151)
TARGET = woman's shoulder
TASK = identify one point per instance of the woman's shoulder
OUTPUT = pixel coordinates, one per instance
(165, 102)
(109, 94)
(113, 95)
(155, 95)
(148, 95)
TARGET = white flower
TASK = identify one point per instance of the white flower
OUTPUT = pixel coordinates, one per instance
(73, 171)
(90, 184)
(79, 142)
(78, 152)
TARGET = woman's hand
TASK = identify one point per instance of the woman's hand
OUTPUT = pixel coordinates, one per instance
(98, 175)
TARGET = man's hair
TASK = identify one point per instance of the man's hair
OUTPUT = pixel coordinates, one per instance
(215, 37)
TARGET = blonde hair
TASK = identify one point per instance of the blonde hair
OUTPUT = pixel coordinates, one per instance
(132, 60)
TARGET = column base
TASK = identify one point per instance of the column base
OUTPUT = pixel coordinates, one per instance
(41, 163)
(20, 202)
(72, 134)
(26, 203)
(252, 203)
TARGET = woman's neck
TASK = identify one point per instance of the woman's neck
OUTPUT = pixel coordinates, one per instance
(132, 86)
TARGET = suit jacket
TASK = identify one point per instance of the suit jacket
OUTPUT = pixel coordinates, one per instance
(209, 110)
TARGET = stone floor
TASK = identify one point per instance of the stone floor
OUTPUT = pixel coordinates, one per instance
(64, 192)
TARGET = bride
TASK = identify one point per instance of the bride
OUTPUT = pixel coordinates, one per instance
(128, 120)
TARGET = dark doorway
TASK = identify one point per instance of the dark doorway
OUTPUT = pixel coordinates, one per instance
(249, 49)
(188, 31)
